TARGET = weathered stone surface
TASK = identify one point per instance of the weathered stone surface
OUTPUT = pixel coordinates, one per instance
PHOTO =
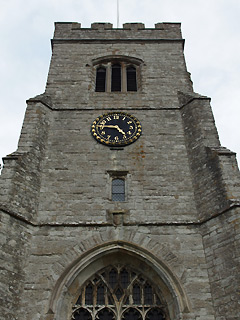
(181, 214)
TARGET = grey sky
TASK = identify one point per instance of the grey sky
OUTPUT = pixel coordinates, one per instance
(212, 50)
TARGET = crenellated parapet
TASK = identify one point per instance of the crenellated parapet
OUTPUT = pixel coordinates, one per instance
(129, 31)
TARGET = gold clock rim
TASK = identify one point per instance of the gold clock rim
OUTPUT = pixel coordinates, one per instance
(132, 139)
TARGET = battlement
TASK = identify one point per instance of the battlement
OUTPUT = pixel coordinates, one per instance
(105, 30)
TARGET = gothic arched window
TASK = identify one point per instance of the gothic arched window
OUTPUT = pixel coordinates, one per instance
(119, 293)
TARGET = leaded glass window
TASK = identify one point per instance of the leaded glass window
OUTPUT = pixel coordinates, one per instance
(89, 294)
(118, 189)
(148, 296)
(136, 294)
(119, 293)
(100, 294)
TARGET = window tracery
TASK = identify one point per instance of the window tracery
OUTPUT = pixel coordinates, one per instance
(119, 293)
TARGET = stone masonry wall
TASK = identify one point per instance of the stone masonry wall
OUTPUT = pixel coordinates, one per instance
(71, 79)
(54, 249)
(14, 241)
(76, 171)
(182, 187)
(213, 168)
(221, 242)
(21, 177)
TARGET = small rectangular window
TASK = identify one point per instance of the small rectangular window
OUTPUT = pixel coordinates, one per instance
(118, 190)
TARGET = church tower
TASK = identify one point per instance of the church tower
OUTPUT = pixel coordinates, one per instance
(119, 203)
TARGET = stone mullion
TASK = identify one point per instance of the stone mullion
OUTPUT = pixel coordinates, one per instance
(124, 77)
(108, 77)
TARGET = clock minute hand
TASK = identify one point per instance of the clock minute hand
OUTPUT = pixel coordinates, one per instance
(116, 127)
(113, 126)
(120, 130)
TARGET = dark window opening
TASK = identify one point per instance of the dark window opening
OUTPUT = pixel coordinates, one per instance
(118, 293)
(116, 78)
(136, 294)
(132, 314)
(89, 295)
(82, 314)
(105, 314)
(124, 278)
(101, 80)
(131, 79)
(118, 190)
(113, 278)
(148, 295)
(155, 314)
(100, 294)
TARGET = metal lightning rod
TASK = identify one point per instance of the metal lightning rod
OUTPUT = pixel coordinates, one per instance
(117, 13)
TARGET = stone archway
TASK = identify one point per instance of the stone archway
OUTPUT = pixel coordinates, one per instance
(66, 291)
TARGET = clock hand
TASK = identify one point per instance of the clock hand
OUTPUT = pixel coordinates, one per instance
(108, 126)
(120, 130)
(112, 126)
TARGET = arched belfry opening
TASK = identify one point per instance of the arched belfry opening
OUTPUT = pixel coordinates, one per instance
(118, 282)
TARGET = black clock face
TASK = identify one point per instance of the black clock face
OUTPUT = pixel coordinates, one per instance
(116, 129)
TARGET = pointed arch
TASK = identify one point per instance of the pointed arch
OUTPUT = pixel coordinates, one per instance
(67, 287)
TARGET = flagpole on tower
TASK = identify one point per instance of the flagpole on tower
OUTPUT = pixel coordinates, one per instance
(117, 13)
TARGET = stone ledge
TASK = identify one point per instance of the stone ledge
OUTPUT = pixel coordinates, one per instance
(235, 203)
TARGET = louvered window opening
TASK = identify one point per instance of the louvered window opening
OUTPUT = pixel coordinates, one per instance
(101, 79)
(116, 78)
(131, 79)
(122, 78)
(119, 293)
(118, 190)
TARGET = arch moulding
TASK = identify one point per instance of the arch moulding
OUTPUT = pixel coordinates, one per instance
(68, 284)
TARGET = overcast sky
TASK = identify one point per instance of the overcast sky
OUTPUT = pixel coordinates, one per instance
(211, 29)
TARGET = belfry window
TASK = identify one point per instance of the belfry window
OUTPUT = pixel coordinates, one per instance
(119, 292)
(118, 189)
(131, 79)
(101, 79)
(116, 77)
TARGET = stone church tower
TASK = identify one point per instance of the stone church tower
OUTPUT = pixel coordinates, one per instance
(119, 202)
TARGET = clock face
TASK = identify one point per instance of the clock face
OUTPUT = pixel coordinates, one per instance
(116, 129)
